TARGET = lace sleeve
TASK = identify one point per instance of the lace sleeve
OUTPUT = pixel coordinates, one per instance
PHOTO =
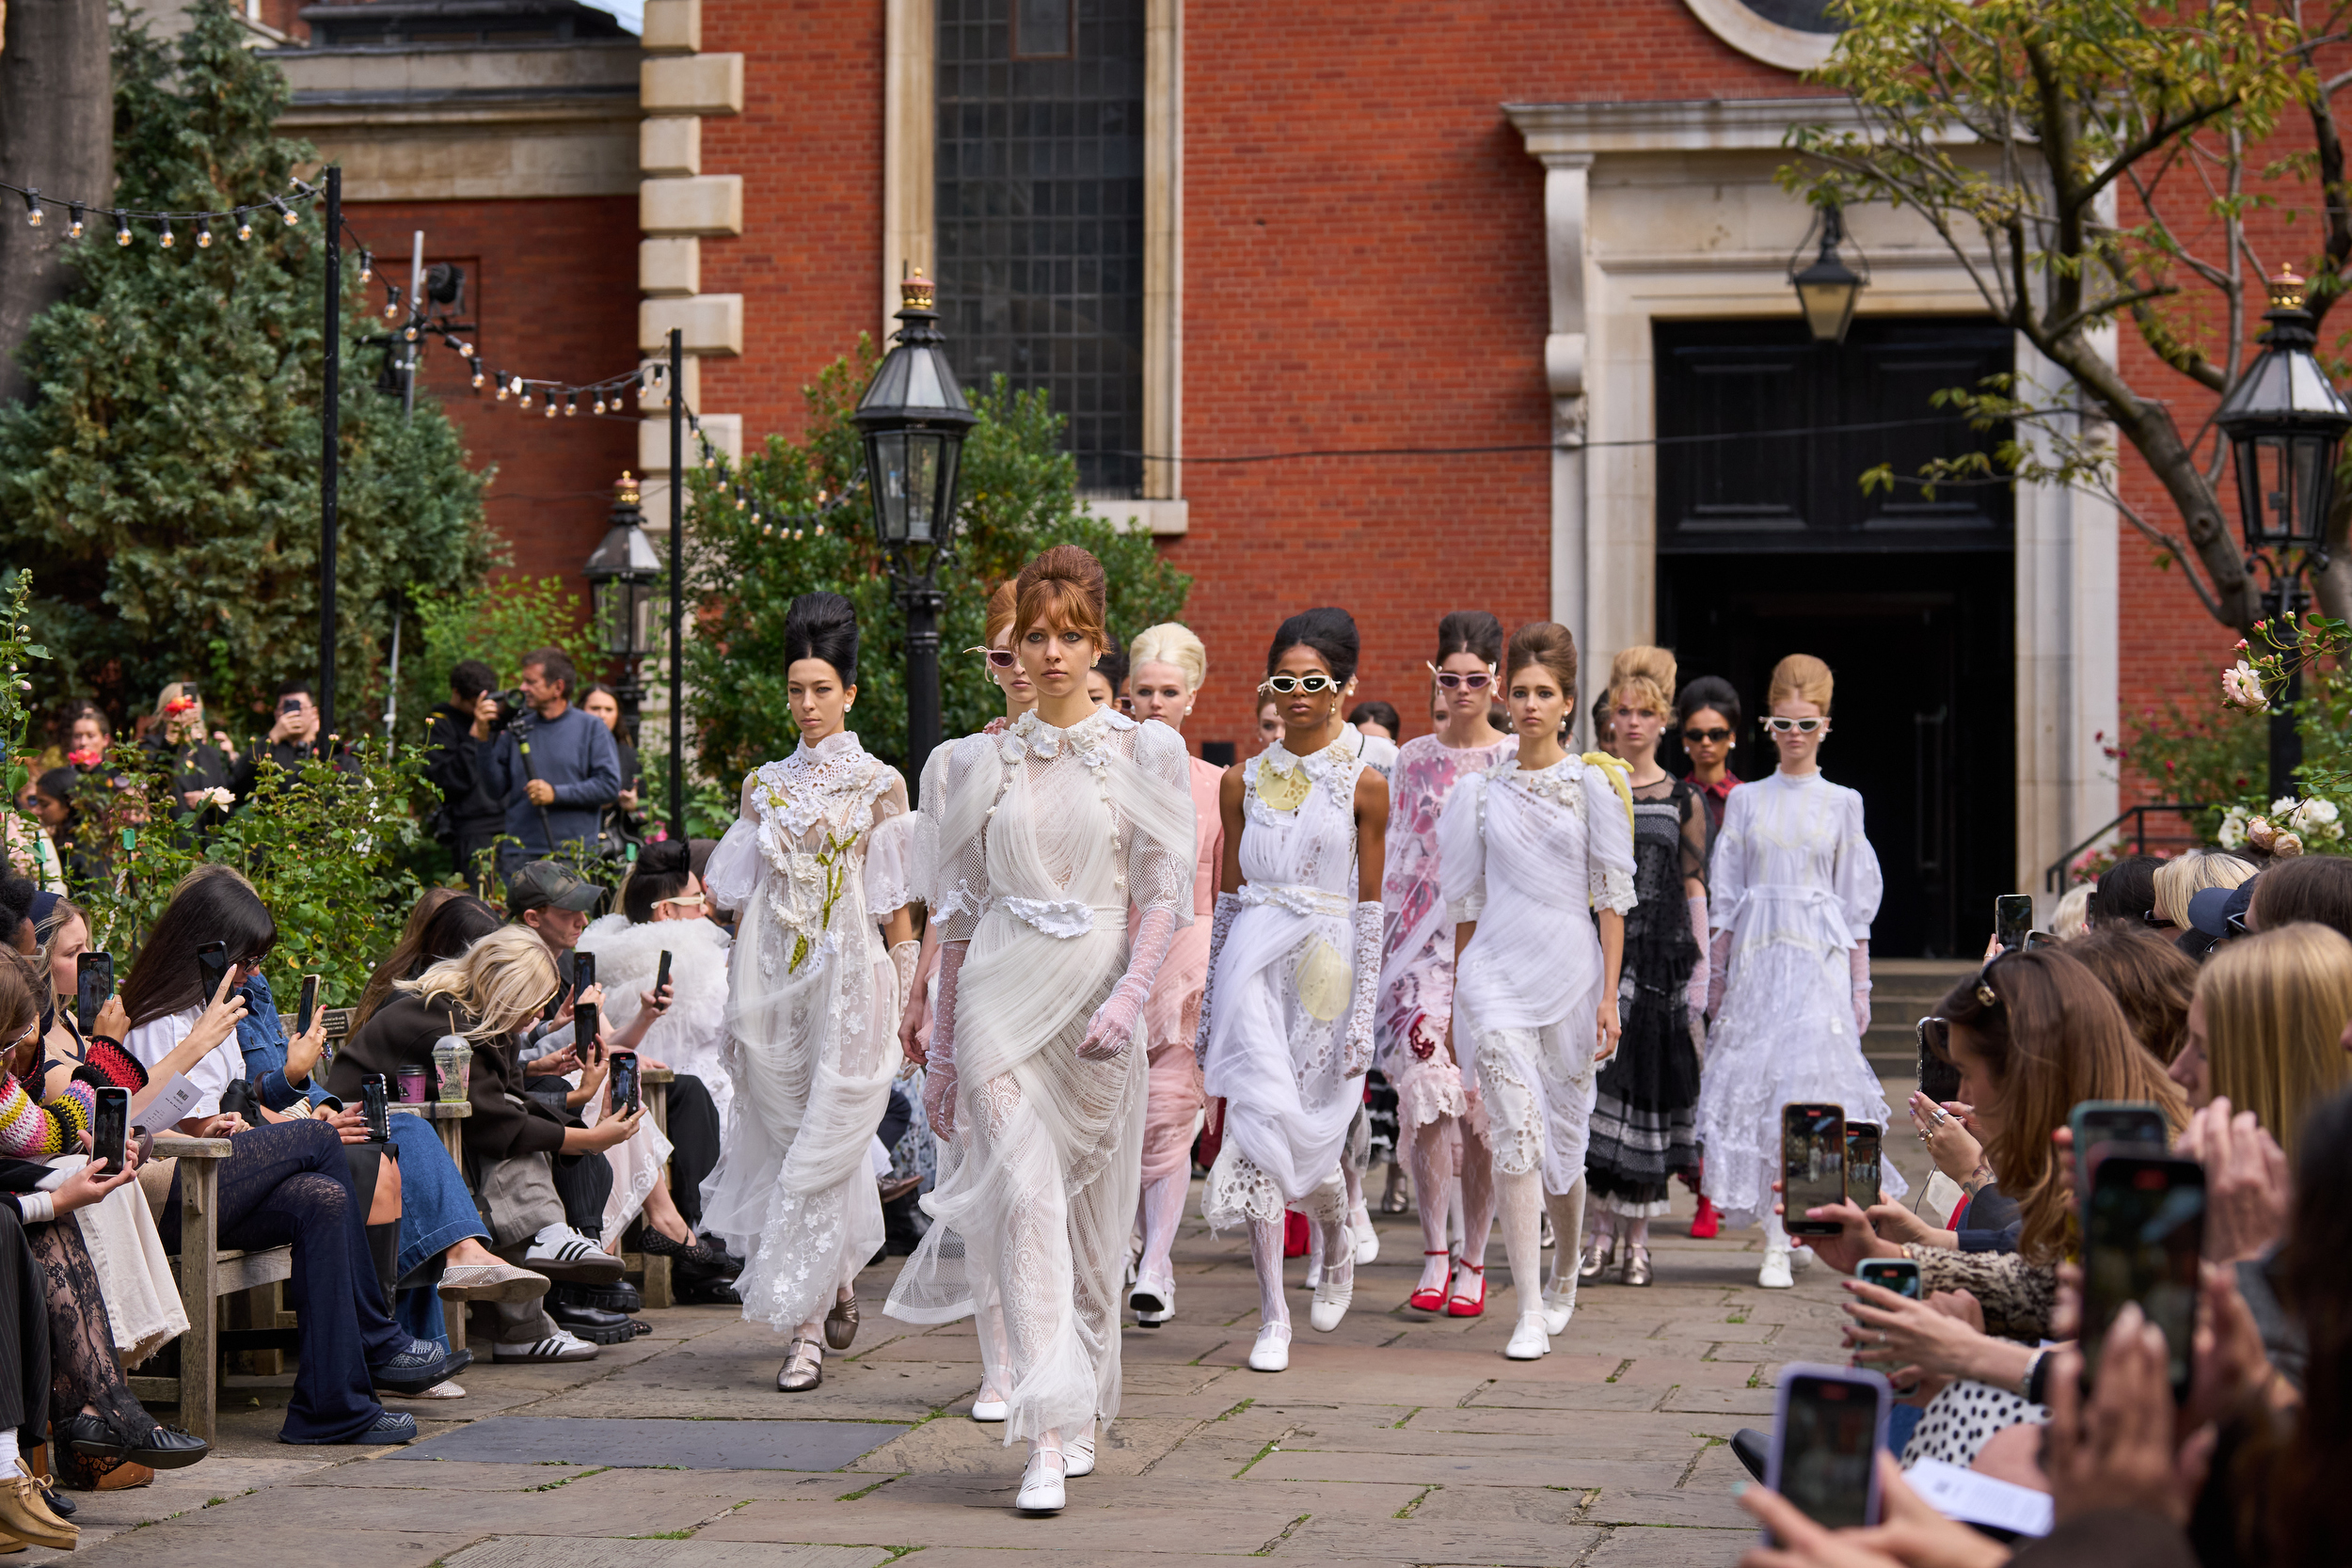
(1608, 844)
(1860, 884)
(733, 868)
(1726, 864)
(967, 795)
(1462, 851)
(1163, 835)
(1694, 842)
(895, 877)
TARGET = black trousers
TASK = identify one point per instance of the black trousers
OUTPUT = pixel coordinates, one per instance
(694, 1142)
(24, 1330)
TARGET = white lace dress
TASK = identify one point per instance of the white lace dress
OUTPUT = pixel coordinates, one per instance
(1276, 1050)
(1796, 883)
(825, 849)
(1528, 854)
(1045, 837)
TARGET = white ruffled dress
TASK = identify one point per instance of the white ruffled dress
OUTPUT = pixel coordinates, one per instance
(1797, 884)
(1045, 837)
(1529, 853)
(1282, 991)
(824, 851)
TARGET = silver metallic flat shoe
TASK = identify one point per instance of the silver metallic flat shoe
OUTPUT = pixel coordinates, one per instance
(803, 1367)
(1637, 1270)
(841, 1324)
(1599, 1254)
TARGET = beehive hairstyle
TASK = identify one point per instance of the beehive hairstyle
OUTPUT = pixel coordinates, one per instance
(1802, 677)
(1170, 642)
(1328, 631)
(1645, 674)
(1063, 587)
(1469, 631)
(822, 625)
(1709, 692)
(1549, 644)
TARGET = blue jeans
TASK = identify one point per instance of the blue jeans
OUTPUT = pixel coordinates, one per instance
(437, 1212)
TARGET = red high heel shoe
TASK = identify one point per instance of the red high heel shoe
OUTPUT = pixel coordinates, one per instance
(1433, 1300)
(1706, 1225)
(1462, 1305)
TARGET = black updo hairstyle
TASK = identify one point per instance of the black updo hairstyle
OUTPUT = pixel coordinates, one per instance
(1469, 631)
(666, 866)
(1112, 667)
(1328, 631)
(1705, 692)
(822, 625)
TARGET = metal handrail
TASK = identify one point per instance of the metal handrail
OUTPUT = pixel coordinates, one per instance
(2054, 879)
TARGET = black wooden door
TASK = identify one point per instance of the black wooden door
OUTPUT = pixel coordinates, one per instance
(1767, 547)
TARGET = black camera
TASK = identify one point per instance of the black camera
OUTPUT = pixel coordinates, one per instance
(511, 707)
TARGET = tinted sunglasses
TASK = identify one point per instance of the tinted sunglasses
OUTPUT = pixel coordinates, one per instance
(1285, 684)
(1778, 725)
(999, 658)
(1712, 737)
(1449, 681)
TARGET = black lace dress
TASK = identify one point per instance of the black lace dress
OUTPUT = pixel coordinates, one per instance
(1644, 1116)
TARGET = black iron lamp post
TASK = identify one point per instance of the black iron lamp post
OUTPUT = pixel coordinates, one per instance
(1828, 288)
(621, 577)
(2284, 421)
(914, 419)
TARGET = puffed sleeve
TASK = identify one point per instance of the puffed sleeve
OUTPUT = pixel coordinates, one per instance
(733, 868)
(1727, 863)
(967, 794)
(1462, 851)
(1608, 843)
(895, 874)
(1162, 835)
(1857, 879)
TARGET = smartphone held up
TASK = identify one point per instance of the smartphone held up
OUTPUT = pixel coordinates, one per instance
(1812, 1165)
(1828, 1425)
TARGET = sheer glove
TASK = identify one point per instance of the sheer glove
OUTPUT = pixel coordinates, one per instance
(904, 958)
(1858, 959)
(1112, 1028)
(1717, 973)
(1227, 905)
(939, 1076)
(1695, 994)
(1356, 1059)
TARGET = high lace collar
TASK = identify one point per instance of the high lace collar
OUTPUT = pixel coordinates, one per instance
(831, 746)
(1284, 760)
(1033, 734)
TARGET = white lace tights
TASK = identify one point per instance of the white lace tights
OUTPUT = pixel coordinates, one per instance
(1265, 1255)
(1163, 1209)
(1522, 1199)
(1430, 1155)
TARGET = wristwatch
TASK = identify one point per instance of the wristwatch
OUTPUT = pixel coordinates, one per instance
(2033, 1386)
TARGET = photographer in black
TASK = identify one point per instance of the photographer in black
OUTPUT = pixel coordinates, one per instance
(471, 812)
(555, 767)
(292, 738)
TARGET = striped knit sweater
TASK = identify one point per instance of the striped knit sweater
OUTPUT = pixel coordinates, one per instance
(34, 1129)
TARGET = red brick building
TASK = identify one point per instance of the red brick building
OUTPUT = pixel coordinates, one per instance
(1517, 277)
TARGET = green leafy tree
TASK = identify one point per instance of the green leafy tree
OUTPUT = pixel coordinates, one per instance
(163, 483)
(1017, 495)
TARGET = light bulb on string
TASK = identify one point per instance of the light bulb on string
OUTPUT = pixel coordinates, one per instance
(203, 232)
(122, 226)
(571, 406)
(32, 208)
(550, 405)
(525, 403)
(285, 211)
(392, 300)
(163, 232)
(245, 231)
(500, 378)
(477, 373)
(367, 264)
(599, 402)
(73, 222)
(410, 332)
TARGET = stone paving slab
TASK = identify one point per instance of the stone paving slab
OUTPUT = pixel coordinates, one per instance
(687, 1445)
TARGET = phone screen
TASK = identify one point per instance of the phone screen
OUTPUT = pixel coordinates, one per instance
(111, 1129)
(2143, 1232)
(2118, 1122)
(584, 1031)
(1812, 1165)
(93, 982)
(1828, 1441)
(1861, 1162)
(2012, 917)
(584, 972)
(376, 1107)
(310, 1009)
(661, 973)
(212, 966)
(625, 1090)
(1898, 1275)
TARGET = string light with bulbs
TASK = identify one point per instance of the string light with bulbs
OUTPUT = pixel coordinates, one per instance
(712, 459)
(239, 220)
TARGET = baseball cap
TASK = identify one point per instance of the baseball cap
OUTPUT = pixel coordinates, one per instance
(545, 885)
(2210, 909)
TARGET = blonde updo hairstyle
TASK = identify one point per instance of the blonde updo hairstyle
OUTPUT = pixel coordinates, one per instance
(1001, 606)
(1643, 678)
(1170, 642)
(1062, 590)
(1549, 644)
(1802, 678)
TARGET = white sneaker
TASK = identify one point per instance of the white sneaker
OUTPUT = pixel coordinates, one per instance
(1367, 1238)
(1331, 1303)
(1153, 1300)
(986, 1409)
(558, 1346)
(1799, 1256)
(1041, 1483)
(1078, 1459)
(1529, 1342)
(1557, 1310)
(562, 1253)
(1775, 1275)
(1272, 1353)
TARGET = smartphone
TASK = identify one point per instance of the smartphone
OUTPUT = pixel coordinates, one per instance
(661, 973)
(1898, 1275)
(111, 1129)
(309, 1012)
(583, 973)
(376, 1107)
(584, 1032)
(1828, 1424)
(211, 967)
(2012, 917)
(1812, 1165)
(1861, 1162)
(1938, 1079)
(626, 1094)
(2143, 1231)
(93, 982)
(2127, 1124)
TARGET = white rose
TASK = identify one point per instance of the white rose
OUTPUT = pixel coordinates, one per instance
(2232, 832)
(2286, 845)
(2242, 686)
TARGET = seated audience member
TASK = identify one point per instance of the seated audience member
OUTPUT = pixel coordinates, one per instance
(2266, 1026)
(432, 932)
(2126, 892)
(2317, 888)
(488, 995)
(2180, 879)
(2150, 979)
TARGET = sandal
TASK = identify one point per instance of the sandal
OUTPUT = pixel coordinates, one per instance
(803, 1367)
(1432, 1298)
(1460, 1306)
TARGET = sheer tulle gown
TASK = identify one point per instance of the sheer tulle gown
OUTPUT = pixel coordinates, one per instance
(824, 850)
(1045, 837)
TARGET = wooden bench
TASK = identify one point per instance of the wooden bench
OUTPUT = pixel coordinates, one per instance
(207, 1271)
(448, 1120)
(653, 1086)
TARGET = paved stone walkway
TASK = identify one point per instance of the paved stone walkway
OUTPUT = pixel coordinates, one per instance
(1401, 1438)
